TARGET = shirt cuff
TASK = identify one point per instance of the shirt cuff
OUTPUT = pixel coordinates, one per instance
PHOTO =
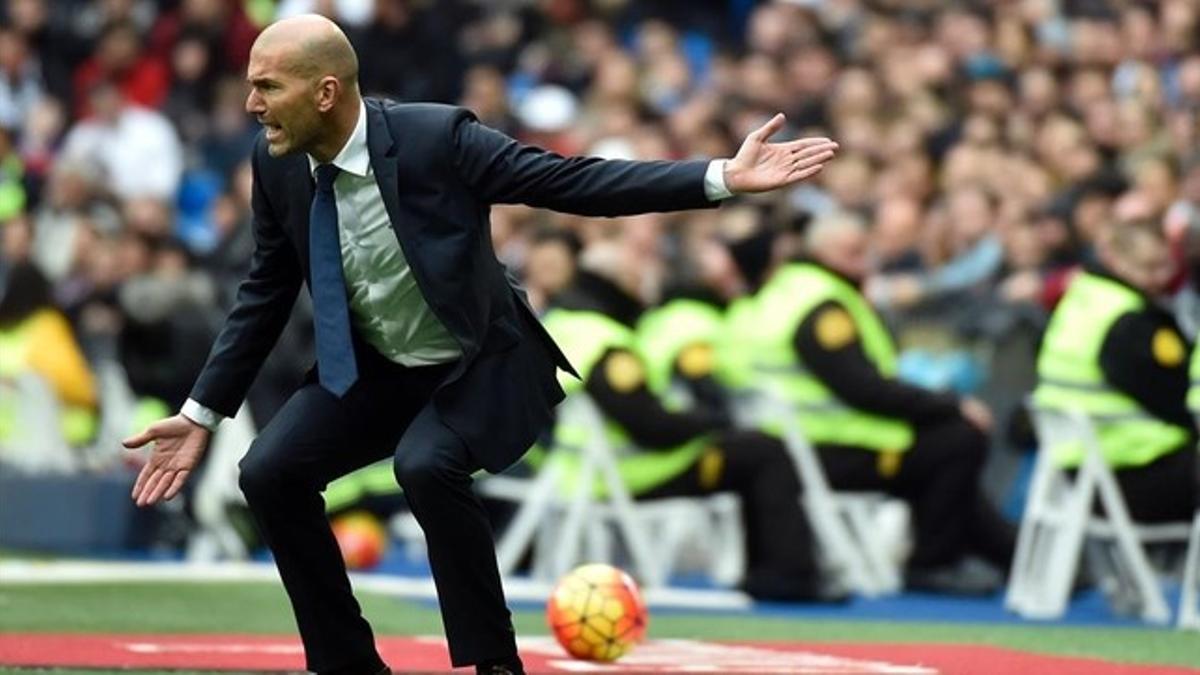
(200, 415)
(714, 181)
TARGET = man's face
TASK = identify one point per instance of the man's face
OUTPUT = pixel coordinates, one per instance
(846, 252)
(107, 103)
(1145, 263)
(283, 102)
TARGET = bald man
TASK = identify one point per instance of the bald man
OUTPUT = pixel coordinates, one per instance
(427, 350)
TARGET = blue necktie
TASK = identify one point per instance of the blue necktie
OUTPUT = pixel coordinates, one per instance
(331, 312)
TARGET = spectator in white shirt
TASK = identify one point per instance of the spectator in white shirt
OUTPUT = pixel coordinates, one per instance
(137, 147)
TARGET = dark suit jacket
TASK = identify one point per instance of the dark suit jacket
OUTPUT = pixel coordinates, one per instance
(439, 170)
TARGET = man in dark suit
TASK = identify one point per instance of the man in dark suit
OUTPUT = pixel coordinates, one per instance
(427, 351)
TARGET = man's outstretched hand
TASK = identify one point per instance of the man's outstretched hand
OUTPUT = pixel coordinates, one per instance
(760, 166)
(179, 443)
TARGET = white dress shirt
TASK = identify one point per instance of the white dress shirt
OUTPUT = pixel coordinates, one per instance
(386, 305)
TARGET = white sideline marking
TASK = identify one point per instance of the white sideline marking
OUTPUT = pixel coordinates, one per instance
(655, 656)
(693, 656)
(209, 648)
(419, 588)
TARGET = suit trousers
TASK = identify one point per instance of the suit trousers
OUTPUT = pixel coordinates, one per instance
(317, 437)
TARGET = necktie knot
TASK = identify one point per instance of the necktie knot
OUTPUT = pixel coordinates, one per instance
(326, 174)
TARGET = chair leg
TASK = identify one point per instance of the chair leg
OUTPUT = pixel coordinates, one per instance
(631, 529)
(566, 549)
(1028, 572)
(833, 534)
(1132, 556)
(529, 518)
(1050, 543)
(879, 567)
(598, 541)
(545, 543)
(1189, 598)
(728, 562)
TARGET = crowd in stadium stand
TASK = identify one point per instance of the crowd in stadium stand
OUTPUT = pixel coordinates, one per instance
(983, 142)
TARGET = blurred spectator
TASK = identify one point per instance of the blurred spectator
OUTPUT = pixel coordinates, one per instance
(36, 338)
(118, 59)
(16, 242)
(91, 18)
(486, 96)
(72, 203)
(170, 320)
(137, 147)
(230, 133)
(550, 265)
(38, 140)
(193, 82)
(221, 24)
(20, 80)
(52, 41)
(352, 13)
(405, 50)
(12, 179)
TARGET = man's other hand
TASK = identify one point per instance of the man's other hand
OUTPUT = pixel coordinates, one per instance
(179, 443)
(760, 166)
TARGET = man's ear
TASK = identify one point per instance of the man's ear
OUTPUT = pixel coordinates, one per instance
(329, 90)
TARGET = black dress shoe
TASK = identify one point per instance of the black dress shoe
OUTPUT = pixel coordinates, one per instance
(969, 577)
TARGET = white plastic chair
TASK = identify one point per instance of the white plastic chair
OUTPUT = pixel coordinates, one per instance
(568, 529)
(1059, 518)
(844, 523)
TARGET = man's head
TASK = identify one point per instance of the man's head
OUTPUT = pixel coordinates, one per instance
(106, 101)
(839, 242)
(1137, 253)
(626, 253)
(303, 77)
(119, 47)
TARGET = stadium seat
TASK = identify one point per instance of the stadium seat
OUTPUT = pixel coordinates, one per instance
(1059, 518)
(844, 523)
(566, 528)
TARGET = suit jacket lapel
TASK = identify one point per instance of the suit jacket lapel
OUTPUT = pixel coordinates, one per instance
(381, 147)
(300, 192)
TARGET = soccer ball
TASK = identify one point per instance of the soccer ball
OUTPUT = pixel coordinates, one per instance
(597, 613)
(361, 538)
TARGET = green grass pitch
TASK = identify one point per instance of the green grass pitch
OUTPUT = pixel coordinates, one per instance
(262, 608)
